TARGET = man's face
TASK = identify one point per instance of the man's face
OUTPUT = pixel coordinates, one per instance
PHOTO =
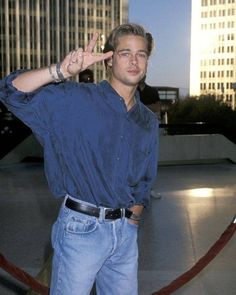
(129, 61)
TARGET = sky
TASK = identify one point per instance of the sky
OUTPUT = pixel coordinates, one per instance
(169, 22)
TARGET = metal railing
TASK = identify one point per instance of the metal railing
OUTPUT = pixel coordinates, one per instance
(199, 128)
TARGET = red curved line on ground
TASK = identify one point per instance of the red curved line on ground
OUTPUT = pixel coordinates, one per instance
(22, 276)
(203, 262)
(172, 287)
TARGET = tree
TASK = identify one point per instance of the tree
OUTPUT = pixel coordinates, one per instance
(215, 116)
(205, 108)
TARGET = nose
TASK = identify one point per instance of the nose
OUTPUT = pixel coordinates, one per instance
(133, 59)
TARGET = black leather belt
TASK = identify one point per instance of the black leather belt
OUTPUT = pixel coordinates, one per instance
(110, 213)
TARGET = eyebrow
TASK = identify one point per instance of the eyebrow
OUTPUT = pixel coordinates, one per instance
(128, 49)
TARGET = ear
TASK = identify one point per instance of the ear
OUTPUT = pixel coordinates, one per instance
(109, 61)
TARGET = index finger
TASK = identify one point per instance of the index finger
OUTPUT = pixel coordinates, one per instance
(103, 56)
(92, 43)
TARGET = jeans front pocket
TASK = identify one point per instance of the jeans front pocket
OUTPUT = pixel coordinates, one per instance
(132, 223)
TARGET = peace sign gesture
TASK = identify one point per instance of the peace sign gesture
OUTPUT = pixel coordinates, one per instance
(79, 60)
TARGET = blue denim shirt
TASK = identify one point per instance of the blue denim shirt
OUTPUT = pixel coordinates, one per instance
(94, 149)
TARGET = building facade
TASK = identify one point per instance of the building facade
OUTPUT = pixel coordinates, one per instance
(36, 33)
(213, 49)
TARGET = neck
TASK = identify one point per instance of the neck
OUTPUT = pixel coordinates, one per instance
(127, 92)
(130, 103)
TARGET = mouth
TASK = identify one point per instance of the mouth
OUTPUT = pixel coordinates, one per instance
(133, 71)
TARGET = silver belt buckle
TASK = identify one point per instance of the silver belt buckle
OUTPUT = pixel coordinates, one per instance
(102, 213)
(105, 211)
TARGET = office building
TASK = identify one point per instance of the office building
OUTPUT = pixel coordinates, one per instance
(213, 49)
(36, 33)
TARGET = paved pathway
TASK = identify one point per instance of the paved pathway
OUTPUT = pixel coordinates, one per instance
(198, 202)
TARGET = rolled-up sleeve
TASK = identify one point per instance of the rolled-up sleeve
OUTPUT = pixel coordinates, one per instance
(31, 108)
(141, 192)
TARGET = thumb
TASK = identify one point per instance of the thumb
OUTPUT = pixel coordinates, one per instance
(76, 62)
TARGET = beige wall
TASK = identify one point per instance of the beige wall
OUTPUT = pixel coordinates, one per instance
(176, 149)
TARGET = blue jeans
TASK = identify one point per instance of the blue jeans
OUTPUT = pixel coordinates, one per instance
(88, 249)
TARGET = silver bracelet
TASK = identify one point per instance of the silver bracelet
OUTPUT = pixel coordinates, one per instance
(55, 79)
(59, 73)
(135, 217)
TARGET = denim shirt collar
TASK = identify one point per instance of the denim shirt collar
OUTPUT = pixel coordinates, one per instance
(138, 113)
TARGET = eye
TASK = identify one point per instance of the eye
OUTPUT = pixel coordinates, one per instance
(125, 54)
(142, 55)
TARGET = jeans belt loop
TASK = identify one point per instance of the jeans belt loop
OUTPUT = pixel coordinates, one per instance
(123, 213)
(65, 198)
(102, 213)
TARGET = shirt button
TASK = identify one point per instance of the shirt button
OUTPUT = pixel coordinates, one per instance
(118, 158)
(121, 136)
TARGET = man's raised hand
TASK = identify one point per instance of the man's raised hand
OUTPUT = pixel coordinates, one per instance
(79, 60)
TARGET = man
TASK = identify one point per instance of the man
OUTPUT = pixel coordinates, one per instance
(149, 96)
(86, 76)
(100, 150)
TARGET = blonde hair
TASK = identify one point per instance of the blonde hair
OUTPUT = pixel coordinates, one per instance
(124, 30)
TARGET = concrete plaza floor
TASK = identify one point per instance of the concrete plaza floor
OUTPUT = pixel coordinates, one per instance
(198, 203)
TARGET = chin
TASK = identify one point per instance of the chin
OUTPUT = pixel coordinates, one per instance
(134, 82)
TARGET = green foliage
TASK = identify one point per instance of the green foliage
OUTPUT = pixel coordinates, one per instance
(202, 109)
